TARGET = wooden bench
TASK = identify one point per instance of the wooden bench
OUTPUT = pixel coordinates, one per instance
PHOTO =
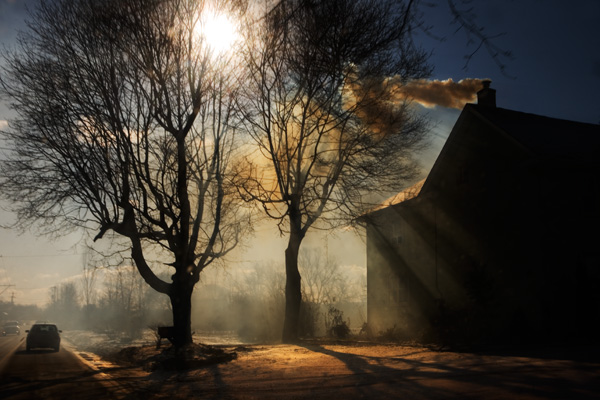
(165, 332)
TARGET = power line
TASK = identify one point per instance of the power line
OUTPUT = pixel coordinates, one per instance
(6, 288)
(42, 255)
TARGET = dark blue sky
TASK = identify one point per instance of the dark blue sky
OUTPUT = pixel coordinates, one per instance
(556, 47)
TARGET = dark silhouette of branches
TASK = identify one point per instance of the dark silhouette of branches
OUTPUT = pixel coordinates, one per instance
(466, 19)
(324, 116)
(125, 124)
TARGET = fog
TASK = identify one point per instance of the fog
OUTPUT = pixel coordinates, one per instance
(250, 300)
(241, 297)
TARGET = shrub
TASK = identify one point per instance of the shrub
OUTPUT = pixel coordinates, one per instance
(335, 324)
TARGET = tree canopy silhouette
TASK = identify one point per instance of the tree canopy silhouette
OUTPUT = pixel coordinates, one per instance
(125, 124)
(325, 118)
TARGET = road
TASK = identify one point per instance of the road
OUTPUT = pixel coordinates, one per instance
(45, 374)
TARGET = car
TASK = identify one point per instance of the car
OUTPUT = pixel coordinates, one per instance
(11, 328)
(43, 336)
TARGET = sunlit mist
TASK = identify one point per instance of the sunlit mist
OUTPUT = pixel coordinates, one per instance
(219, 31)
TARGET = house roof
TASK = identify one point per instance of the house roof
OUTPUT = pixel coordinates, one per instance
(407, 194)
(544, 135)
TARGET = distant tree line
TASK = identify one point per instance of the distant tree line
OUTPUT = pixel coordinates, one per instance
(122, 305)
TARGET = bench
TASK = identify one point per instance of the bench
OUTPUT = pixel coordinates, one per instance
(165, 332)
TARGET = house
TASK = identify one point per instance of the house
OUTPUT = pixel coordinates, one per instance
(500, 242)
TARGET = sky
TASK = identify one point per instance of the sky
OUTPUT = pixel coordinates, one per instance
(554, 71)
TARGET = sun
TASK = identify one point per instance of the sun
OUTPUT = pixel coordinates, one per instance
(219, 32)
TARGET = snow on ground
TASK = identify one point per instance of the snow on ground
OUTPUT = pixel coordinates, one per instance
(106, 343)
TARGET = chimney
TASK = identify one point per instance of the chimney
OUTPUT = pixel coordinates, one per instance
(486, 96)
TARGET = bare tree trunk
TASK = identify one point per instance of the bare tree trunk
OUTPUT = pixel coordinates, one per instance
(293, 293)
(181, 302)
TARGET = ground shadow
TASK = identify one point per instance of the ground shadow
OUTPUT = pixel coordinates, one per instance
(36, 351)
(84, 384)
(583, 353)
(432, 378)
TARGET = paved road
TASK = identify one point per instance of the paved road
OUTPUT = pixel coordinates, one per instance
(45, 374)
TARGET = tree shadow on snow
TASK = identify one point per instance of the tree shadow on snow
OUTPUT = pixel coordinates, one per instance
(437, 376)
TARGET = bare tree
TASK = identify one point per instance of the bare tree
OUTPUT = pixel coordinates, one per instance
(323, 282)
(88, 281)
(319, 108)
(125, 124)
(64, 303)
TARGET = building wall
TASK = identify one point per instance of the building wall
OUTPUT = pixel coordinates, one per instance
(499, 246)
(400, 296)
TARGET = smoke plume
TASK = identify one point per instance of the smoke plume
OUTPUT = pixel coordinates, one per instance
(446, 93)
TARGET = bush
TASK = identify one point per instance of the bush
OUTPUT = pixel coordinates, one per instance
(335, 324)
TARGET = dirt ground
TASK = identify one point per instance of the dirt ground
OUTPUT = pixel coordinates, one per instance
(355, 370)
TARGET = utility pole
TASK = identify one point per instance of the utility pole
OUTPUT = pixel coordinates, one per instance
(6, 288)
(12, 298)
